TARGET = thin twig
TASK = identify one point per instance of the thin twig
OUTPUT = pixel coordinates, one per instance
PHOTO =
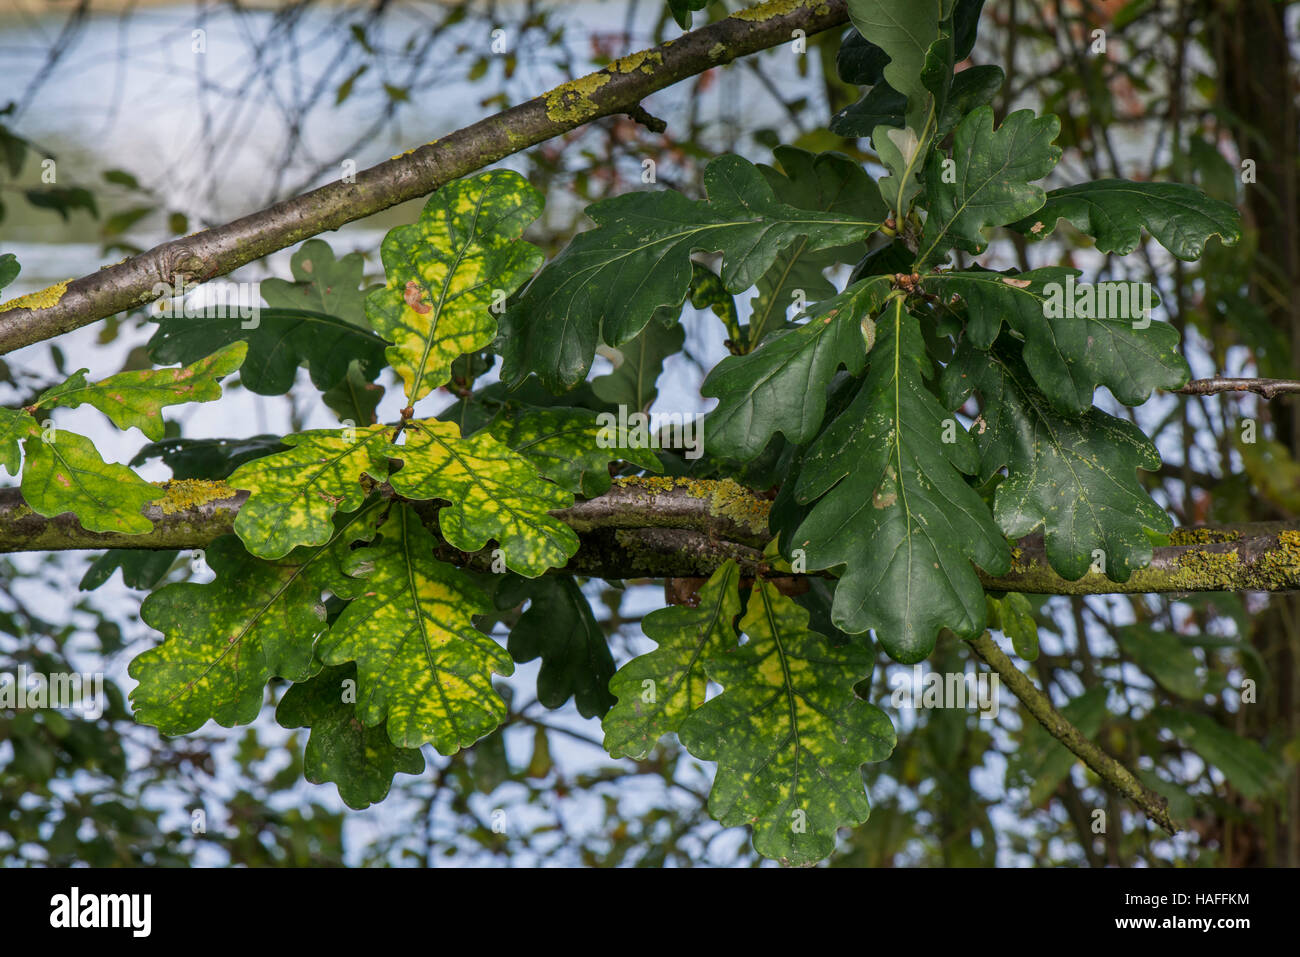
(1268, 388)
(1058, 726)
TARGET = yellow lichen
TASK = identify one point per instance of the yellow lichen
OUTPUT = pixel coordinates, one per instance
(732, 500)
(1201, 536)
(766, 11)
(726, 498)
(636, 61)
(655, 483)
(41, 299)
(1285, 559)
(716, 51)
(186, 494)
(572, 101)
(1200, 567)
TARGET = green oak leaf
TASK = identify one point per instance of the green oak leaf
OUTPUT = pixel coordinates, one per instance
(66, 474)
(682, 10)
(609, 281)
(860, 62)
(559, 628)
(909, 107)
(973, 87)
(781, 385)
(904, 31)
(226, 639)
(361, 761)
(564, 445)
(9, 269)
(279, 341)
(1115, 211)
(493, 493)
(1013, 615)
(138, 398)
(881, 105)
(788, 732)
(324, 285)
(207, 458)
(707, 292)
(992, 177)
(15, 425)
(141, 568)
(421, 664)
(1068, 356)
(481, 408)
(317, 320)
(355, 399)
(321, 284)
(657, 691)
(884, 106)
(893, 506)
(448, 271)
(819, 181)
(1073, 475)
(639, 363)
(902, 151)
(294, 494)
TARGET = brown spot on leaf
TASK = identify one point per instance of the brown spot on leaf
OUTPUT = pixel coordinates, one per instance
(414, 296)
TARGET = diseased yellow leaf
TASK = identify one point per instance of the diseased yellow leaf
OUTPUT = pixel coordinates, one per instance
(449, 273)
(492, 494)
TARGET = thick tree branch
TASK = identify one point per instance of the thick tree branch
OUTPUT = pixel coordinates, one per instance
(619, 88)
(1253, 556)
(673, 528)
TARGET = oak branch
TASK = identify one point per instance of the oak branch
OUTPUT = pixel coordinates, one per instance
(682, 528)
